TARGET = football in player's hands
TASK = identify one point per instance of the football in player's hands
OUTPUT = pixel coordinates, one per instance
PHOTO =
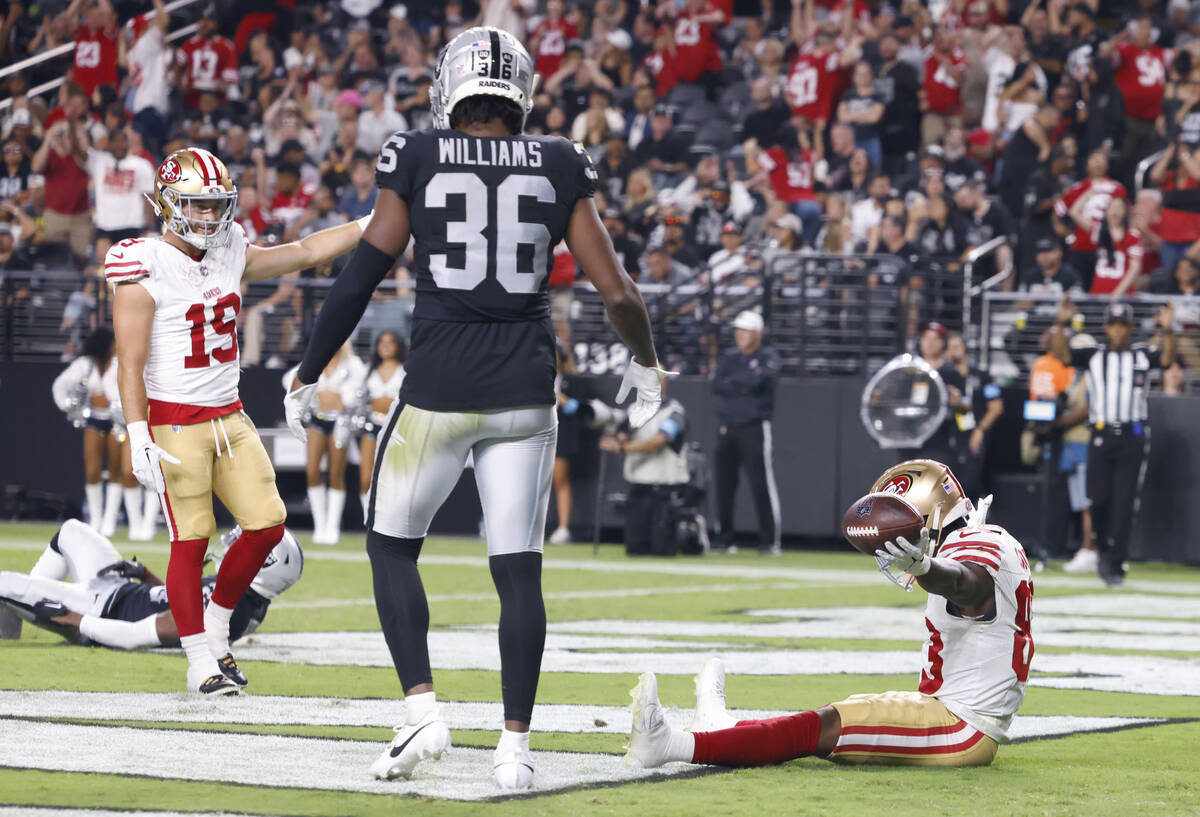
(878, 518)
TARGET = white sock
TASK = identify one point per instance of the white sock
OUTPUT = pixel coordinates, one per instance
(133, 508)
(216, 628)
(333, 519)
(94, 491)
(316, 503)
(517, 741)
(50, 565)
(420, 705)
(681, 747)
(196, 649)
(364, 499)
(112, 506)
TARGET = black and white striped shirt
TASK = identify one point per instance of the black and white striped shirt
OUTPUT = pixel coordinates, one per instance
(1118, 382)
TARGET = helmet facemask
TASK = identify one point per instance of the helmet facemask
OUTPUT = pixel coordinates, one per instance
(184, 219)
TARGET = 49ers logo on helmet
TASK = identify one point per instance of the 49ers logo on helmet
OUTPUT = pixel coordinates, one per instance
(170, 172)
(898, 485)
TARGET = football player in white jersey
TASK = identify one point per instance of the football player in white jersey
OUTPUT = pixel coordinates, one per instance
(174, 311)
(977, 655)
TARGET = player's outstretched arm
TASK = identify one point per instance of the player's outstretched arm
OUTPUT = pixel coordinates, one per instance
(385, 237)
(589, 242)
(311, 251)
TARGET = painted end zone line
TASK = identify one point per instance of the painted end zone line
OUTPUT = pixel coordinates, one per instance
(290, 762)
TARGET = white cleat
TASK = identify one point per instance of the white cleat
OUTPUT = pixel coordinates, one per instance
(710, 714)
(427, 739)
(1084, 561)
(650, 739)
(211, 682)
(512, 768)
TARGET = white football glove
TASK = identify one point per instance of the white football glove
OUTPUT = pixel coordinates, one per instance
(295, 405)
(146, 455)
(907, 557)
(647, 382)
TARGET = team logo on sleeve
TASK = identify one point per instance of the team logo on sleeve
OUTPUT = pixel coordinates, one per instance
(170, 172)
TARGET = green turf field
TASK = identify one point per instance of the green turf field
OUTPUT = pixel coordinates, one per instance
(1111, 721)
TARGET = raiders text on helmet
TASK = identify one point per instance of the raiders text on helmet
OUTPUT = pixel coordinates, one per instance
(482, 61)
(932, 489)
(188, 182)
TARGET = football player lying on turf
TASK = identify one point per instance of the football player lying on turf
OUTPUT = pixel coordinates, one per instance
(976, 659)
(121, 604)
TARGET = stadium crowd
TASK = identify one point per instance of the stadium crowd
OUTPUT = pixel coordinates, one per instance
(723, 131)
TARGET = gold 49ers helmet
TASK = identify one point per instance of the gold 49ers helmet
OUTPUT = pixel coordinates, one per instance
(195, 197)
(933, 489)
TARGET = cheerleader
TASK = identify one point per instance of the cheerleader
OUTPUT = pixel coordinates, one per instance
(329, 435)
(381, 387)
(86, 392)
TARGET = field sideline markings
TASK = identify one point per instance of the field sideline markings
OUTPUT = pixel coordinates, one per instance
(550, 595)
(292, 762)
(59, 811)
(282, 710)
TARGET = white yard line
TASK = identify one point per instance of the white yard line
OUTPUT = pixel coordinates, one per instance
(287, 762)
(278, 710)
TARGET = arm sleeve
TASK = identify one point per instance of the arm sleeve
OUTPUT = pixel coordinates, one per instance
(121, 635)
(343, 307)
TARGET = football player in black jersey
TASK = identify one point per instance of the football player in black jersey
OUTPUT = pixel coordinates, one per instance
(121, 604)
(485, 204)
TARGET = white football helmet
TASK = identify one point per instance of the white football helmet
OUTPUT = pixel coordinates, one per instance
(282, 569)
(190, 179)
(482, 61)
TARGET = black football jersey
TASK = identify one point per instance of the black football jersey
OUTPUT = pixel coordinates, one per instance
(134, 601)
(486, 214)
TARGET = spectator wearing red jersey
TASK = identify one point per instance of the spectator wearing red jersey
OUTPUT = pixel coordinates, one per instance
(206, 61)
(292, 197)
(62, 160)
(941, 88)
(697, 57)
(818, 73)
(1178, 169)
(95, 46)
(1141, 74)
(789, 169)
(144, 51)
(1086, 202)
(660, 63)
(548, 41)
(1119, 254)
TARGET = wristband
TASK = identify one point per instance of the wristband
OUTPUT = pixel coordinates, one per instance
(139, 433)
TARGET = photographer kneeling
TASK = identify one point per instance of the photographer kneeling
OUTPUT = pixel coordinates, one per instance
(656, 469)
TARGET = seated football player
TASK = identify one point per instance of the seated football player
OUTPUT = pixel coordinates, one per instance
(976, 658)
(121, 604)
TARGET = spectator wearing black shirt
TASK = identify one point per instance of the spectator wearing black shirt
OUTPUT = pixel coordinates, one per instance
(977, 406)
(1050, 276)
(942, 231)
(637, 121)
(900, 85)
(1047, 183)
(841, 149)
(1048, 50)
(959, 165)
(628, 251)
(663, 152)
(1028, 148)
(986, 219)
(15, 172)
(862, 108)
(770, 114)
(931, 345)
(616, 165)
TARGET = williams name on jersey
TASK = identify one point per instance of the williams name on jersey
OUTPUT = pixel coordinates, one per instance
(485, 215)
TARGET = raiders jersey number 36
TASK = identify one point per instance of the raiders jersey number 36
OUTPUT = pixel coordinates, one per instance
(485, 215)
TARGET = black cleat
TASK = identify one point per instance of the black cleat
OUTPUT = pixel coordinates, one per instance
(231, 670)
(218, 685)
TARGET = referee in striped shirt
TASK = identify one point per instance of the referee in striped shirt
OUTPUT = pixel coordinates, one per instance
(1118, 376)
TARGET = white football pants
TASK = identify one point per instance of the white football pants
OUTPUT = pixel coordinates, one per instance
(85, 552)
(422, 453)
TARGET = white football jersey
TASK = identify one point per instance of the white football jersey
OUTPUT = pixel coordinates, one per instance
(978, 668)
(193, 346)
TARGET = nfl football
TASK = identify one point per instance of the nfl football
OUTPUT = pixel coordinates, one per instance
(878, 518)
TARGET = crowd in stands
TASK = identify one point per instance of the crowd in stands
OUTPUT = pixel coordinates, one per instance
(722, 130)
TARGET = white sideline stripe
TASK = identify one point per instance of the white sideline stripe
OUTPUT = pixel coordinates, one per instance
(713, 566)
(287, 762)
(550, 595)
(278, 710)
(476, 649)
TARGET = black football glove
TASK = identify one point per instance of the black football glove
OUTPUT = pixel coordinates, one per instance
(127, 569)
